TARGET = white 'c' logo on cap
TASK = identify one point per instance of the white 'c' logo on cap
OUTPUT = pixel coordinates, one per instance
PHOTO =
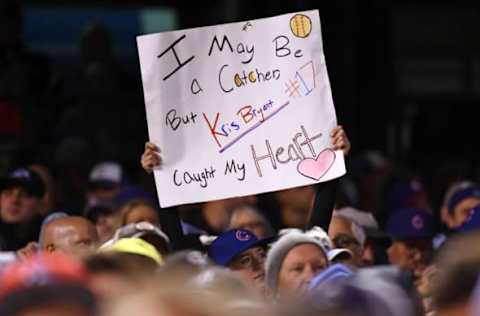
(242, 235)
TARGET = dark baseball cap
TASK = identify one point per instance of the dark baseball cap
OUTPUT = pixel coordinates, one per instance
(410, 223)
(472, 223)
(232, 243)
(462, 194)
(26, 179)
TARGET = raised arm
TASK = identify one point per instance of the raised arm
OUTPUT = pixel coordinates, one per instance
(169, 217)
(326, 191)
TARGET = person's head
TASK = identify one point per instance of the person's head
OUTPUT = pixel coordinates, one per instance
(411, 231)
(219, 293)
(295, 205)
(239, 250)
(183, 265)
(136, 211)
(115, 273)
(293, 260)
(460, 198)
(46, 285)
(72, 235)
(352, 229)
(107, 220)
(213, 278)
(122, 267)
(146, 231)
(372, 291)
(20, 196)
(105, 182)
(458, 263)
(341, 232)
(249, 218)
(61, 299)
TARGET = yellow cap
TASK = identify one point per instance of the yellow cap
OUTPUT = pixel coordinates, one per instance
(136, 246)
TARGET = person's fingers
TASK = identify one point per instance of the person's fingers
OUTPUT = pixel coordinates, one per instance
(152, 162)
(338, 138)
(151, 147)
(146, 163)
(153, 157)
(347, 148)
(339, 134)
(340, 144)
(29, 250)
(336, 130)
(147, 167)
(149, 162)
(33, 246)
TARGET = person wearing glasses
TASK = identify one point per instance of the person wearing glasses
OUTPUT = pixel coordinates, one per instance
(358, 231)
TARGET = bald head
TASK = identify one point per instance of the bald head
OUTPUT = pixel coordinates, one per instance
(72, 235)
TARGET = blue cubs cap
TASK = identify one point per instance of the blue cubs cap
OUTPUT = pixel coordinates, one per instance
(460, 195)
(232, 243)
(410, 223)
(472, 222)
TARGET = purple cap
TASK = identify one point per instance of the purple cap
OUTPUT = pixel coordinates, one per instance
(460, 195)
(410, 223)
(232, 243)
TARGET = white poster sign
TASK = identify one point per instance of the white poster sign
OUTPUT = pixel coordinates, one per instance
(239, 109)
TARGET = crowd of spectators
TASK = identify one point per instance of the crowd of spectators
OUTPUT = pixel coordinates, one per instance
(81, 231)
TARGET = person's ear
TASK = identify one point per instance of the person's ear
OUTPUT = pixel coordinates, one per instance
(50, 248)
(446, 217)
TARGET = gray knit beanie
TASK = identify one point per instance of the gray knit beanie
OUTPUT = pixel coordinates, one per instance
(279, 251)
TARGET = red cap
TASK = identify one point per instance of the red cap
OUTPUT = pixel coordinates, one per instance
(42, 269)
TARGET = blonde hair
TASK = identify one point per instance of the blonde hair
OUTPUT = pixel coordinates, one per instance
(126, 208)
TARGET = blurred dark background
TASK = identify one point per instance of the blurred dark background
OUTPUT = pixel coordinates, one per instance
(405, 78)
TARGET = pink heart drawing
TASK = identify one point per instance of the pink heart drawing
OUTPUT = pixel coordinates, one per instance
(316, 168)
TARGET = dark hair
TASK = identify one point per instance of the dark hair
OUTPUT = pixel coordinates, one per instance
(49, 295)
(127, 208)
(93, 213)
(459, 264)
(125, 264)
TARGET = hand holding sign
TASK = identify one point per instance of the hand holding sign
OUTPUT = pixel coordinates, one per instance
(340, 140)
(239, 109)
(151, 157)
